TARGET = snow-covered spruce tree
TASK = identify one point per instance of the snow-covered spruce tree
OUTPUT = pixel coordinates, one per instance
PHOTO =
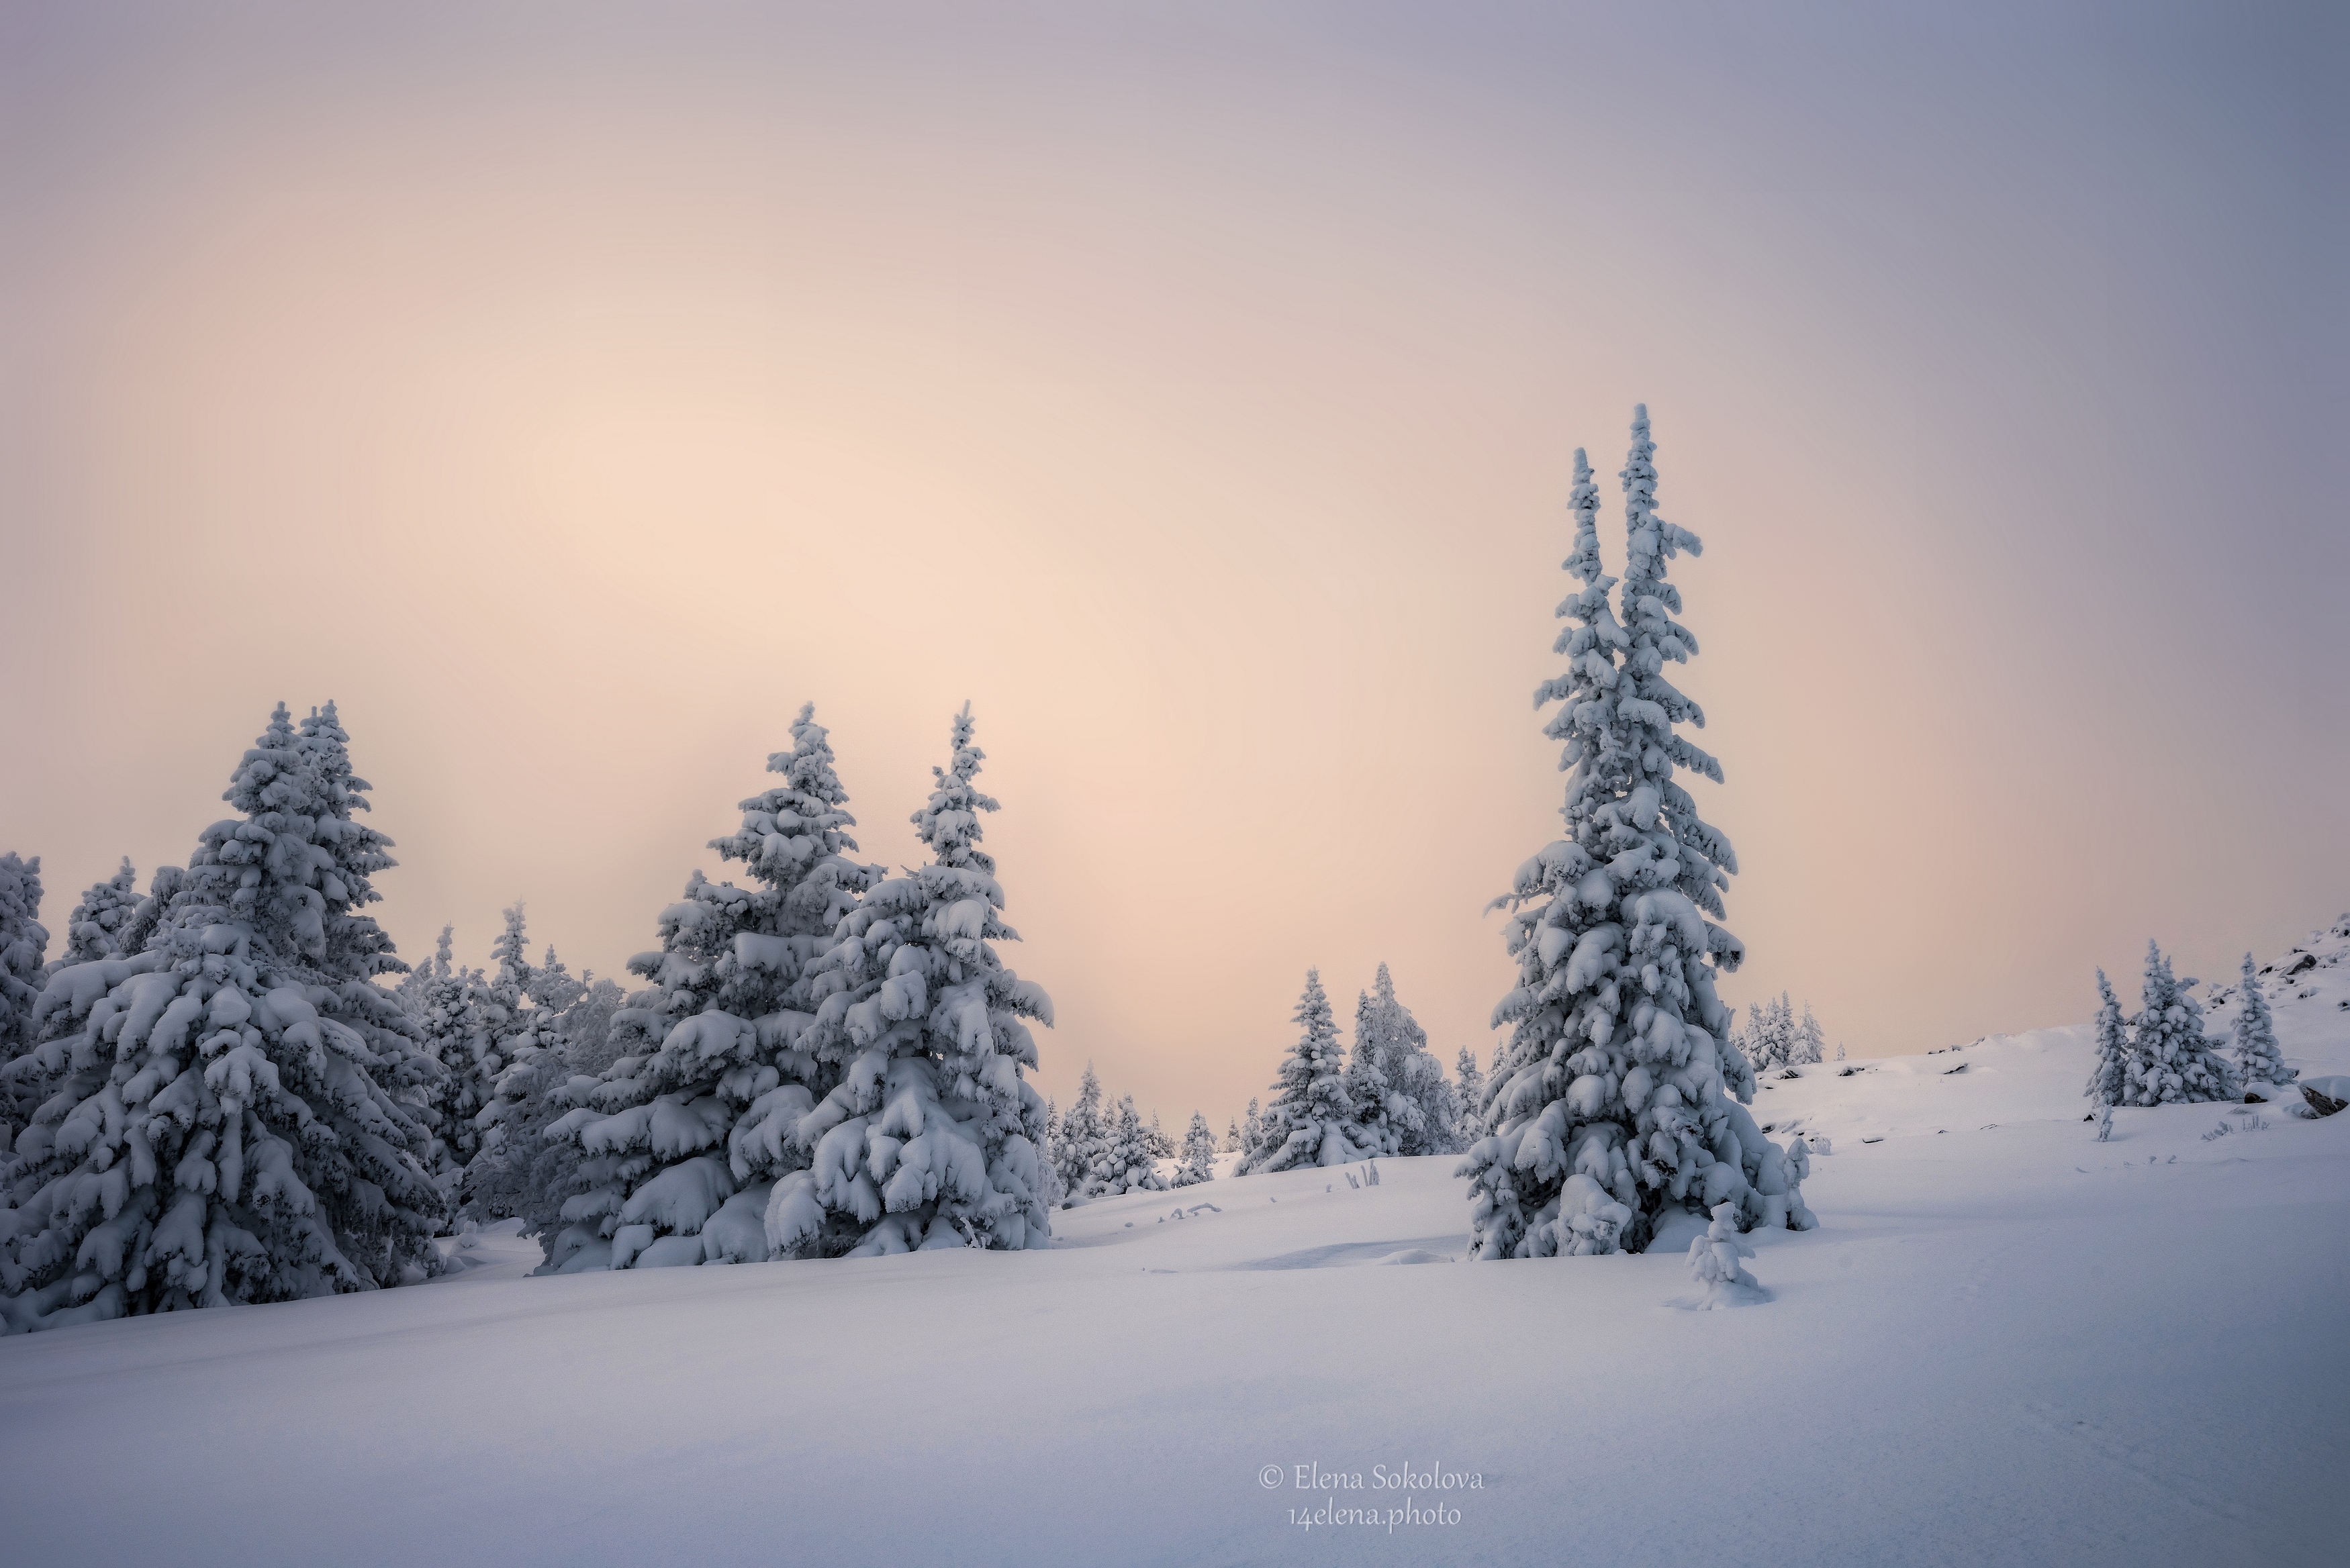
(682, 1141)
(2257, 1060)
(23, 940)
(1714, 1263)
(95, 929)
(1161, 1145)
(1422, 1106)
(1618, 1068)
(1077, 1144)
(587, 1027)
(1769, 1040)
(1810, 1045)
(1378, 1128)
(930, 1139)
(1469, 1125)
(1251, 1128)
(2109, 1078)
(2172, 1061)
(1311, 1118)
(228, 1124)
(161, 889)
(1128, 1163)
(1232, 1144)
(1198, 1153)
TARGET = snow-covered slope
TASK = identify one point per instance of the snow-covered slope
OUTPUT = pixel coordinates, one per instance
(2006, 1344)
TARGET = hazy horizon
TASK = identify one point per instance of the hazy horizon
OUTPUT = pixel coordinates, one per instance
(569, 393)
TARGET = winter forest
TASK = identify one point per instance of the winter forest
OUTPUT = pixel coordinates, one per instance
(930, 783)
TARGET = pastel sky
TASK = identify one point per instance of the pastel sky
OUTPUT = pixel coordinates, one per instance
(570, 391)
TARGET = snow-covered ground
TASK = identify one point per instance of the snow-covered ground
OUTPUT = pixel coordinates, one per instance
(2006, 1344)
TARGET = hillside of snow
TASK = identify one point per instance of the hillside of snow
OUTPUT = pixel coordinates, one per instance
(2006, 1343)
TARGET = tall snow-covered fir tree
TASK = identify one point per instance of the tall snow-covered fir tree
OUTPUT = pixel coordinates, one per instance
(96, 928)
(2257, 1060)
(1311, 1118)
(229, 1122)
(161, 889)
(518, 1044)
(2109, 1078)
(1377, 1127)
(1252, 1126)
(23, 941)
(1422, 1108)
(1769, 1037)
(1128, 1161)
(1618, 1093)
(682, 1141)
(930, 1136)
(2171, 1059)
(1469, 1124)
(1199, 1163)
(587, 1027)
(1232, 1144)
(1077, 1144)
(1810, 1045)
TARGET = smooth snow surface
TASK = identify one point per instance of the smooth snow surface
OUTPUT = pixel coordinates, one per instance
(2006, 1344)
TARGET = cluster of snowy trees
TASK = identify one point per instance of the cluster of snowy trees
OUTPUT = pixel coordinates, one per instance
(211, 1095)
(1619, 1093)
(1775, 1037)
(1331, 1106)
(1097, 1151)
(2160, 1055)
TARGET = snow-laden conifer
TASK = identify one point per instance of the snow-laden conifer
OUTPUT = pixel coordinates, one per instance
(1377, 1127)
(161, 889)
(1128, 1162)
(1252, 1126)
(2257, 1060)
(1810, 1045)
(682, 1141)
(2171, 1059)
(1714, 1262)
(587, 1027)
(2109, 1077)
(1618, 1067)
(1469, 1125)
(23, 941)
(930, 1136)
(1422, 1108)
(519, 1042)
(1231, 1141)
(1162, 1146)
(231, 1120)
(96, 928)
(1199, 1163)
(1311, 1118)
(1077, 1144)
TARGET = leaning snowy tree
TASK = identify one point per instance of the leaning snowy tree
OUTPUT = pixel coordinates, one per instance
(930, 1137)
(1616, 1095)
(228, 1122)
(2257, 1060)
(682, 1142)
(1311, 1119)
